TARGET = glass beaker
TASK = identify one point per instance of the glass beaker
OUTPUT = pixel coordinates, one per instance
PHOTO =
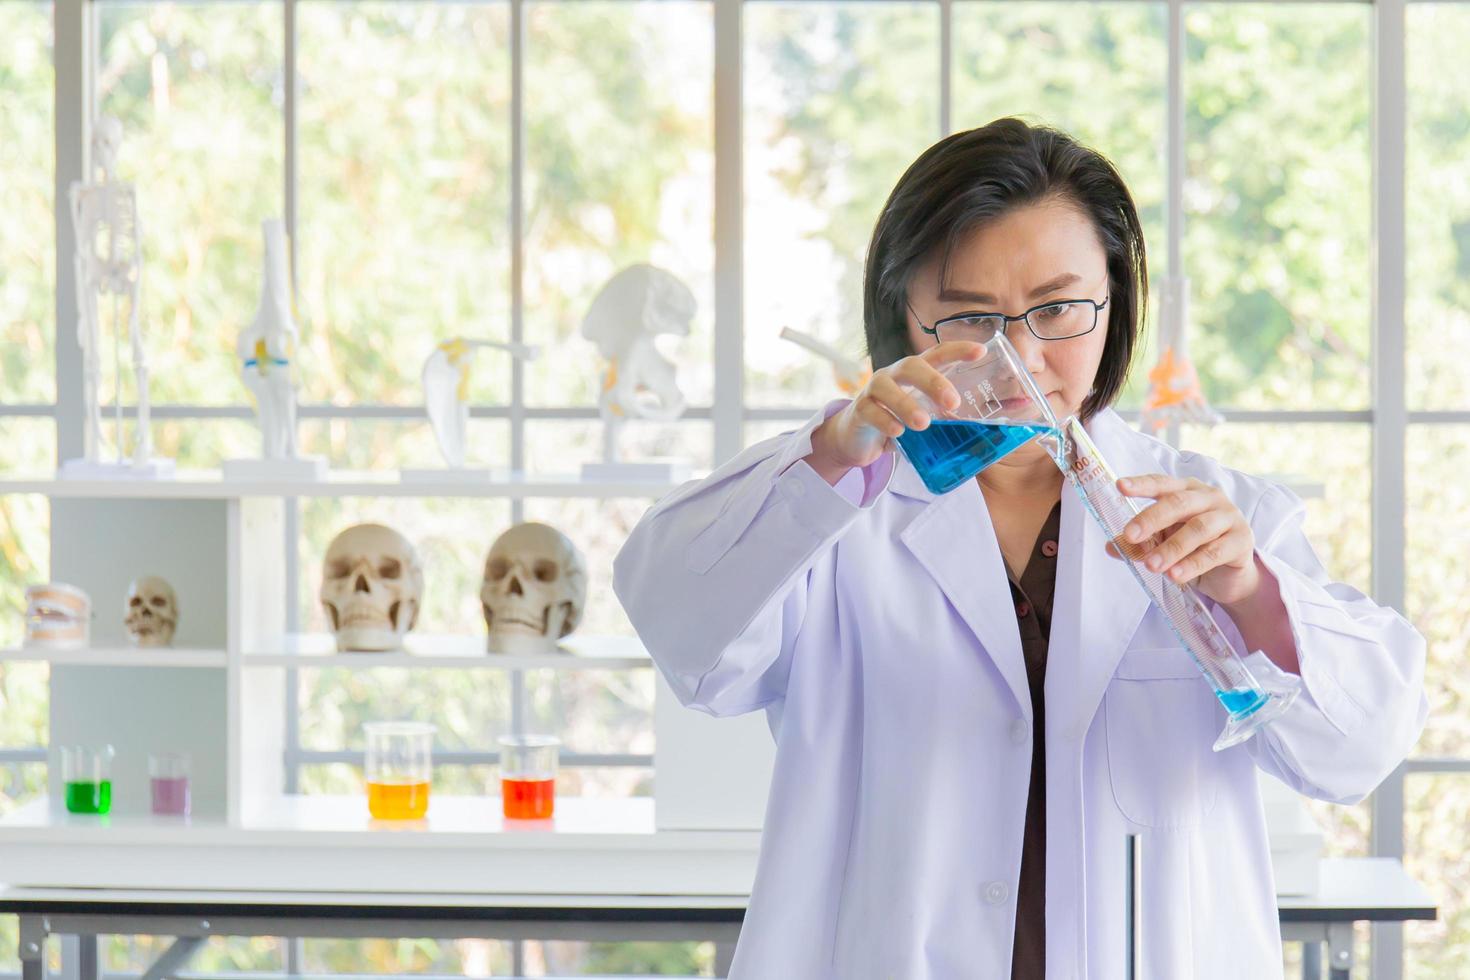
(528, 766)
(86, 771)
(400, 767)
(1000, 410)
(168, 783)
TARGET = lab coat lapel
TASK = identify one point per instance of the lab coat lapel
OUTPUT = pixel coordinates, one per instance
(1098, 605)
(955, 542)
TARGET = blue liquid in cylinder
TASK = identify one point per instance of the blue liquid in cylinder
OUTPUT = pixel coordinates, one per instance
(1241, 700)
(951, 451)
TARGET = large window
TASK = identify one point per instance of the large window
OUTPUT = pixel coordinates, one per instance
(817, 170)
(27, 376)
(1096, 70)
(481, 168)
(197, 88)
(1437, 318)
(27, 382)
(403, 228)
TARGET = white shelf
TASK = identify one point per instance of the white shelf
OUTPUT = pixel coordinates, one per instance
(330, 843)
(453, 651)
(117, 656)
(301, 819)
(211, 485)
(451, 819)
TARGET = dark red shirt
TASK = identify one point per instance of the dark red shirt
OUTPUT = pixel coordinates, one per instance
(1032, 595)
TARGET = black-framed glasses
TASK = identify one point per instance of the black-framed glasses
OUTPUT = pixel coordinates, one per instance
(1057, 320)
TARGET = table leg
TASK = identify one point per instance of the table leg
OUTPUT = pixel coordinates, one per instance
(724, 956)
(1311, 960)
(32, 947)
(1340, 950)
(87, 956)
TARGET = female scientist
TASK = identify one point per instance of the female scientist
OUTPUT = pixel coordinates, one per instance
(973, 701)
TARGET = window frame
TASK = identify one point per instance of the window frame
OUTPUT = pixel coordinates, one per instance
(1388, 417)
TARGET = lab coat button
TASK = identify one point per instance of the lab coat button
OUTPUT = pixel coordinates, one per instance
(996, 893)
(1019, 731)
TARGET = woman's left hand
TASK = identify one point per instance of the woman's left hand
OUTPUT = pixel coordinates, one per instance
(1192, 533)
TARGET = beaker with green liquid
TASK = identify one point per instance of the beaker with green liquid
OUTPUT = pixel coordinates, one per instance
(86, 772)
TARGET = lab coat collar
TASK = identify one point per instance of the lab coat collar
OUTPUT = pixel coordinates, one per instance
(906, 482)
(1098, 604)
(955, 542)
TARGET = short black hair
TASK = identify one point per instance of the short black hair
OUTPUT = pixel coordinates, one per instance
(969, 179)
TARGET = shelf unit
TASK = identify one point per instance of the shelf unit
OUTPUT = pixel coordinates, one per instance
(454, 651)
(221, 694)
(211, 485)
(116, 657)
(328, 843)
(308, 651)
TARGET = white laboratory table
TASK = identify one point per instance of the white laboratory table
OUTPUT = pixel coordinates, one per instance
(301, 867)
(1350, 890)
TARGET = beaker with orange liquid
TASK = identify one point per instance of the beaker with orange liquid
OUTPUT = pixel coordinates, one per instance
(400, 767)
(528, 776)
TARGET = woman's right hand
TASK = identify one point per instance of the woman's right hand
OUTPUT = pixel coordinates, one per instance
(866, 428)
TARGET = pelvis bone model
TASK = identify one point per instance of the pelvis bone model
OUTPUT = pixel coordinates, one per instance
(534, 591)
(372, 586)
(635, 306)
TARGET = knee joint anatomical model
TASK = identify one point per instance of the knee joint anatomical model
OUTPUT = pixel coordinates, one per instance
(266, 348)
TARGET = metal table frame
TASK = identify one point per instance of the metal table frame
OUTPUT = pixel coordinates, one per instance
(87, 919)
(1353, 890)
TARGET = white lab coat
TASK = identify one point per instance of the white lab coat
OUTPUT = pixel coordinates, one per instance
(873, 623)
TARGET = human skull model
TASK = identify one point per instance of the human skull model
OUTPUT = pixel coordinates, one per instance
(152, 612)
(107, 133)
(534, 591)
(372, 585)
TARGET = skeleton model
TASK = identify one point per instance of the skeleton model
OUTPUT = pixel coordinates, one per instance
(534, 590)
(634, 307)
(109, 272)
(151, 613)
(446, 378)
(847, 372)
(372, 585)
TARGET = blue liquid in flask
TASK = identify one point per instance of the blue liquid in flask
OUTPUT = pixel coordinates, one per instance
(951, 451)
(1241, 701)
